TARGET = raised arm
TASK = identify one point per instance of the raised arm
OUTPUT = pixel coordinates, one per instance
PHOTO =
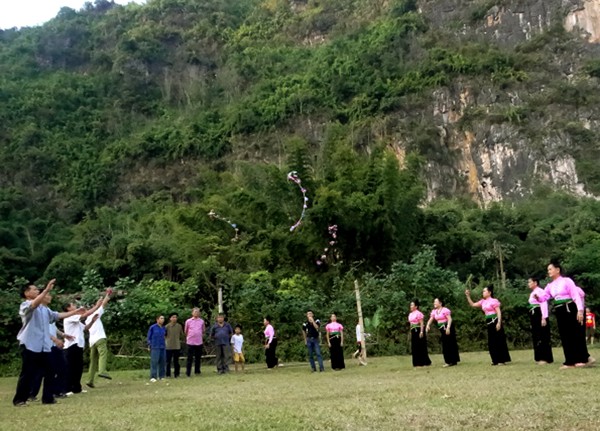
(470, 301)
(92, 310)
(106, 297)
(38, 300)
(66, 314)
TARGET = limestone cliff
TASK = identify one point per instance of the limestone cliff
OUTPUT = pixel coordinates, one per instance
(498, 153)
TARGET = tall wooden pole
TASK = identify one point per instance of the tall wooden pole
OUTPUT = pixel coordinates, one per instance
(220, 299)
(363, 345)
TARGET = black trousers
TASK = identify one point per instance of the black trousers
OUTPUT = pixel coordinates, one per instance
(449, 345)
(270, 354)
(222, 353)
(336, 353)
(418, 345)
(32, 364)
(497, 343)
(572, 334)
(173, 355)
(542, 349)
(59, 368)
(194, 355)
(74, 357)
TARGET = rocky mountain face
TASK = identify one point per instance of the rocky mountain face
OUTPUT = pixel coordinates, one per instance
(494, 158)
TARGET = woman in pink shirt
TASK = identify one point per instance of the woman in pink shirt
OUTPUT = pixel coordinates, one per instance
(418, 339)
(568, 309)
(270, 344)
(335, 341)
(443, 317)
(540, 326)
(493, 319)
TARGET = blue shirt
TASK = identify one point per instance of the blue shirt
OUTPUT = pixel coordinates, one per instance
(221, 334)
(156, 336)
(35, 332)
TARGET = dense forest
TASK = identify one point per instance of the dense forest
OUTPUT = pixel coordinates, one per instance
(122, 127)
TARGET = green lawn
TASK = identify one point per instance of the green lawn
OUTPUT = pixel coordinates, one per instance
(388, 394)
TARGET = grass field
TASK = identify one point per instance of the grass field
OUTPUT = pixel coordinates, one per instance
(388, 394)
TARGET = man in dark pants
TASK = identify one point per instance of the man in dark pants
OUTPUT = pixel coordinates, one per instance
(221, 333)
(173, 342)
(312, 339)
(35, 343)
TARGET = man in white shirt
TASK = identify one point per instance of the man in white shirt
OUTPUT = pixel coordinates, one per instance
(74, 327)
(98, 347)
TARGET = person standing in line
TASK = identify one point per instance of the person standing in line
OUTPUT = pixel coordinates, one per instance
(174, 334)
(312, 340)
(98, 344)
(270, 344)
(221, 333)
(540, 325)
(590, 325)
(335, 341)
(35, 343)
(156, 345)
(418, 339)
(495, 329)
(194, 333)
(237, 343)
(73, 350)
(443, 318)
(568, 309)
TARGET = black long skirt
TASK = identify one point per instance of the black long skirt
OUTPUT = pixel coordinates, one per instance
(449, 346)
(420, 357)
(497, 343)
(542, 349)
(271, 358)
(336, 352)
(572, 334)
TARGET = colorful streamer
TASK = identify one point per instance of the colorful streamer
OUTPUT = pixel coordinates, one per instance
(213, 215)
(293, 176)
(330, 247)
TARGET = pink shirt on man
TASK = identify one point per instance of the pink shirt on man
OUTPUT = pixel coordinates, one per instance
(194, 331)
(269, 333)
(415, 317)
(441, 315)
(334, 327)
(562, 288)
(488, 305)
(534, 301)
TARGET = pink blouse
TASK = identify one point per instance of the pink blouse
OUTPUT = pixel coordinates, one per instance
(488, 305)
(269, 333)
(440, 316)
(543, 304)
(560, 289)
(415, 317)
(334, 327)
